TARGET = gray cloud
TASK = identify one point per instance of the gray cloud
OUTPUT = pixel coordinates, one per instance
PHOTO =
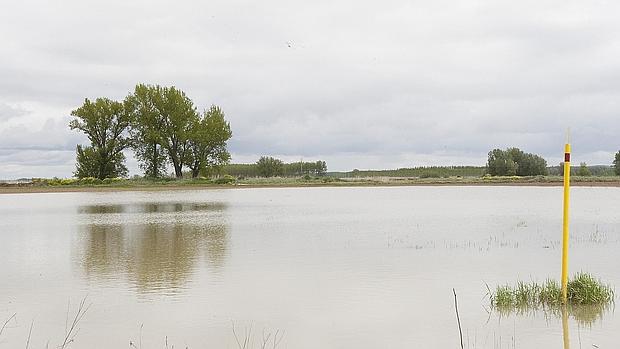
(9, 112)
(400, 83)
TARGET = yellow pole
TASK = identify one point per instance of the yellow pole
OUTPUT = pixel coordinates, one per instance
(565, 334)
(565, 221)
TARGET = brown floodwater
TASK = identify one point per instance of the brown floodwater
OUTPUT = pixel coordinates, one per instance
(322, 267)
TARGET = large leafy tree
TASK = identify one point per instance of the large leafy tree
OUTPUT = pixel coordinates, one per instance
(268, 166)
(500, 163)
(617, 163)
(207, 142)
(105, 123)
(165, 117)
(321, 168)
(513, 161)
(146, 129)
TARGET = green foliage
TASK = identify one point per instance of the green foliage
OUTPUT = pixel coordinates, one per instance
(104, 122)
(164, 118)
(430, 175)
(90, 181)
(167, 129)
(503, 296)
(513, 161)
(421, 172)
(294, 169)
(145, 131)
(500, 163)
(90, 163)
(268, 166)
(241, 170)
(59, 181)
(77, 182)
(583, 170)
(208, 139)
(616, 163)
(596, 170)
(583, 289)
(226, 179)
(110, 181)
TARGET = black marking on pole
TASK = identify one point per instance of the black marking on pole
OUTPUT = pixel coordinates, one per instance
(566, 157)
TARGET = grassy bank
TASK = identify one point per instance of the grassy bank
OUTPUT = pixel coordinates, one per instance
(112, 184)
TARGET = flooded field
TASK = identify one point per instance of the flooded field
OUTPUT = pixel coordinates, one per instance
(321, 267)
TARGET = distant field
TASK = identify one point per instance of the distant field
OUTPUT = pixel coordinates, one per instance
(63, 185)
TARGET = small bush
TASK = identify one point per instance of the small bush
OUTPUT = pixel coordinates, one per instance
(90, 181)
(113, 180)
(226, 179)
(53, 181)
(68, 181)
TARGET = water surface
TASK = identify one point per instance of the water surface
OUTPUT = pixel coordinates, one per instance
(328, 267)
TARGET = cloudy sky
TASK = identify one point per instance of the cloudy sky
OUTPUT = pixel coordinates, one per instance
(360, 84)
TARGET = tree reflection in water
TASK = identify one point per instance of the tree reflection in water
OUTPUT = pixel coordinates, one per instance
(159, 248)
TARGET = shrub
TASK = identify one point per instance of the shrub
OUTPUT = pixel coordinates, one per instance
(113, 180)
(90, 181)
(226, 179)
(68, 181)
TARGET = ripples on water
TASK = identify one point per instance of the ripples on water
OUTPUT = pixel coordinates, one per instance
(332, 267)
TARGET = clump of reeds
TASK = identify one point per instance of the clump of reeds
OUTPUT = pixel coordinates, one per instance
(583, 289)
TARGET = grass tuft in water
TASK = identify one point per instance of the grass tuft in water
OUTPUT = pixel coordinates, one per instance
(583, 289)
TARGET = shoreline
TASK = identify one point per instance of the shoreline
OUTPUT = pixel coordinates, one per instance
(29, 189)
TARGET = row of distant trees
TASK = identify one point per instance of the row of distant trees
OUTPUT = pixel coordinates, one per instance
(515, 162)
(421, 172)
(268, 166)
(509, 162)
(160, 124)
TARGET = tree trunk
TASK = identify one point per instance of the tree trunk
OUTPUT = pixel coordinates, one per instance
(178, 169)
(155, 165)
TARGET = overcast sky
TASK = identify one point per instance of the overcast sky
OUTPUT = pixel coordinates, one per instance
(360, 84)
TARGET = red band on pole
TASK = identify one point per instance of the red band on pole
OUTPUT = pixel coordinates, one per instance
(566, 157)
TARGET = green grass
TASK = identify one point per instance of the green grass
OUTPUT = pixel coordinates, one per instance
(583, 289)
(587, 299)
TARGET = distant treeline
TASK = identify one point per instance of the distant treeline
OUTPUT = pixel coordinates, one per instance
(421, 172)
(467, 171)
(581, 170)
(270, 167)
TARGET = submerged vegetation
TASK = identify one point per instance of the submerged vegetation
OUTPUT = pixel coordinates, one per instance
(583, 289)
(587, 299)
